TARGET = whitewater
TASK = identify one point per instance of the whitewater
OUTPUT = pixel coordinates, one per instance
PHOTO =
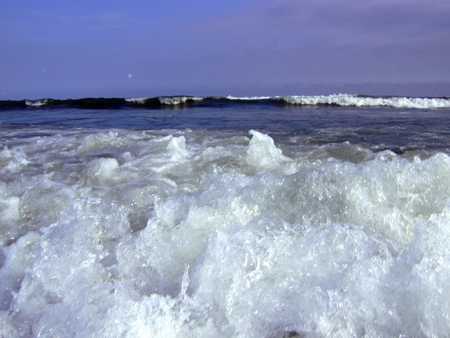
(225, 219)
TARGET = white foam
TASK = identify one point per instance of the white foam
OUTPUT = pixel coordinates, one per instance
(170, 101)
(262, 152)
(14, 159)
(169, 234)
(36, 103)
(251, 98)
(177, 100)
(347, 100)
(350, 100)
(139, 100)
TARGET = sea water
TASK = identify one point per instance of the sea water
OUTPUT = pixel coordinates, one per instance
(225, 220)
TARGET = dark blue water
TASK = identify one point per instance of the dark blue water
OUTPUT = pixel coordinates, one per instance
(378, 128)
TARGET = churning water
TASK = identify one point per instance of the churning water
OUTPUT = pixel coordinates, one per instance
(225, 220)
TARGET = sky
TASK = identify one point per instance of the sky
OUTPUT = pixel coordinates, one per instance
(137, 48)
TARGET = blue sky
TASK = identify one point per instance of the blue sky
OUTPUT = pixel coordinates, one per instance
(70, 49)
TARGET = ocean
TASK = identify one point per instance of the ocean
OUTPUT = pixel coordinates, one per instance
(297, 216)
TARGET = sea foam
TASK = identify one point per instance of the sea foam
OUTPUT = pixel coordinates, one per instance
(347, 100)
(352, 100)
(169, 234)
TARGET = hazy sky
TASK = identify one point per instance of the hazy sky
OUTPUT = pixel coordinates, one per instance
(147, 48)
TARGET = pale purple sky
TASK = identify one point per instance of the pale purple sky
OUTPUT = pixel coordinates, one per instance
(71, 49)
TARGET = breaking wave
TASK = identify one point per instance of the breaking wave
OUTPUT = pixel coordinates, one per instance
(339, 100)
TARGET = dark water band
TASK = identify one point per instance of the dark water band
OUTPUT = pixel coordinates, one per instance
(164, 102)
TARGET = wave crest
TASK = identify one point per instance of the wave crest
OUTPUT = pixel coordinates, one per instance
(339, 100)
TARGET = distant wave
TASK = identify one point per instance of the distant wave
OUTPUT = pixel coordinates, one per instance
(341, 100)
(349, 100)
